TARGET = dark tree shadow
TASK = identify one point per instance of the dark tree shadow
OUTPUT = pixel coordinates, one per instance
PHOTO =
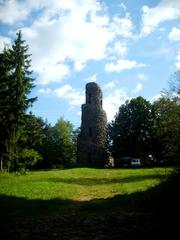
(142, 215)
(97, 181)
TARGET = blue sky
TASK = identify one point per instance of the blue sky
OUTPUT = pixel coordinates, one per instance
(129, 48)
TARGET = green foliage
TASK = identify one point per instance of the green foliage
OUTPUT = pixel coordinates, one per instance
(130, 132)
(142, 129)
(15, 86)
(166, 130)
(34, 131)
(5, 104)
(63, 133)
(28, 157)
(59, 146)
(56, 144)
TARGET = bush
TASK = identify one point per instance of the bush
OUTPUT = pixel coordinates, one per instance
(28, 158)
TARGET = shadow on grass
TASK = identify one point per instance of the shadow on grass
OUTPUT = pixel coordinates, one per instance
(141, 215)
(97, 181)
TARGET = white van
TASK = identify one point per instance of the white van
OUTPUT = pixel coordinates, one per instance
(135, 162)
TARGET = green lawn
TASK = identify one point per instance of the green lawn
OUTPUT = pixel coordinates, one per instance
(80, 184)
(81, 202)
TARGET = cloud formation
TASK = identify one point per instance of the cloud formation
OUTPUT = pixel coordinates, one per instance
(174, 34)
(3, 42)
(142, 76)
(66, 92)
(52, 73)
(77, 41)
(73, 30)
(152, 17)
(123, 64)
(92, 78)
(138, 88)
(113, 101)
(109, 85)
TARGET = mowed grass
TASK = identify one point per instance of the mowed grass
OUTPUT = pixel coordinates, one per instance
(80, 184)
(84, 203)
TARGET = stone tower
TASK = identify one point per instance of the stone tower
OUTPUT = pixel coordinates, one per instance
(92, 140)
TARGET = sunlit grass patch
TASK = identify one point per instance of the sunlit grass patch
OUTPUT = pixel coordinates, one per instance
(80, 183)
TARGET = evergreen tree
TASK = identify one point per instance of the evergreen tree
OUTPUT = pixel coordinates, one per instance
(5, 81)
(16, 84)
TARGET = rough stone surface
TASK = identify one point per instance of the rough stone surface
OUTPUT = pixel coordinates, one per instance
(92, 139)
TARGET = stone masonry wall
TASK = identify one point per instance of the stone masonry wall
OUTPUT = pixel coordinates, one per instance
(92, 139)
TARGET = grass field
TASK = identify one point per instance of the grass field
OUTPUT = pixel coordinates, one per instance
(79, 203)
(80, 184)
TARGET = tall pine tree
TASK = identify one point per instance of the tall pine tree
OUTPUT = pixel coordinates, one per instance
(17, 83)
(5, 81)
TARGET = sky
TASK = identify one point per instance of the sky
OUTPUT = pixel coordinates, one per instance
(130, 48)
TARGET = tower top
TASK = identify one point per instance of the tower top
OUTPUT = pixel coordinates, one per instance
(93, 94)
(92, 85)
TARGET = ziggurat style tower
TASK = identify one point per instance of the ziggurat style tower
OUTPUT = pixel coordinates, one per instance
(92, 140)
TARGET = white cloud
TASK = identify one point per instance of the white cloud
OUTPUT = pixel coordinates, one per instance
(73, 30)
(12, 10)
(78, 66)
(156, 97)
(52, 73)
(151, 18)
(45, 91)
(142, 76)
(117, 50)
(100, 20)
(123, 6)
(73, 96)
(177, 63)
(138, 88)
(109, 85)
(80, 33)
(162, 29)
(122, 26)
(62, 92)
(113, 101)
(92, 78)
(120, 48)
(174, 34)
(3, 42)
(122, 64)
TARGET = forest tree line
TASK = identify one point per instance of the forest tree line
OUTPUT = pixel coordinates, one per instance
(27, 141)
(150, 131)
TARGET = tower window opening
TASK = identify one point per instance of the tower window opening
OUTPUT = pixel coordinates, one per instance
(90, 132)
(89, 98)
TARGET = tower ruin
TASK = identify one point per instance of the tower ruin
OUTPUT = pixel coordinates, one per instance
(92, 140)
